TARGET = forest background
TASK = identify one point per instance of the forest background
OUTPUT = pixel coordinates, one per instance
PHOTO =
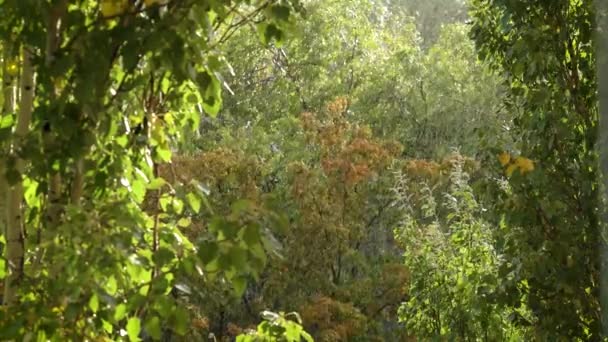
(368, 170)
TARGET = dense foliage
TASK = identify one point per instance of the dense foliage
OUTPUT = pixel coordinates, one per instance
(381, 170)
(95, 94)
(553, 235)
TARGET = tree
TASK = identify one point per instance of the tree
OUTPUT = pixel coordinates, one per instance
(288, 131)
(450, 255)
(430, 16)
(435, 100)
(429, 99)
(96, 95)
(552, 234)
(330, 180)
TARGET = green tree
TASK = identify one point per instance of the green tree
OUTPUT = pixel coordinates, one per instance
(368, 67)
(435, 100)
(552, 235)
(450, 255)
(431, 15)
(430, 100)
(96, 94)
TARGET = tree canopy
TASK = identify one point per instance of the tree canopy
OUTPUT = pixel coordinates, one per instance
(299, 170)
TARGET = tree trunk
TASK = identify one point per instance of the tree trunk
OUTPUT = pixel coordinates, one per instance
(8, 108)
(15, 230)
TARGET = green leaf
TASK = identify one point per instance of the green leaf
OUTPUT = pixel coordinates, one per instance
(31, 192)
(184, 222)
(133, 329)
(138, 273)
(156, 183)
(111, 286)
(94, 303)
(251, 235)
(138, 189)
(144, 290)
(2, 268)
(152, 327)
(164, 202)
(178, 205)
(163, 256)
(194, 202)
(238, 257)
(269, 32)
(120, 312)
(211, 92)
(163, 154)
(122, 140)
(181, 321)
(239, 284)
(225, 229)
(7, 121)
(207, 251)
(293, 331)
(107, 326)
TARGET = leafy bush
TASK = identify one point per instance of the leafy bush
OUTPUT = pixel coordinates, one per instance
(452, 262)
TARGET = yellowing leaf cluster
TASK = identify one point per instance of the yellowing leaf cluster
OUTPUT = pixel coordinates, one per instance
(433, 171)
(523, 164)
(348, 151)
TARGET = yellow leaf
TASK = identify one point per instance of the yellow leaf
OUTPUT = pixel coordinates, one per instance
(511, 169)
(525, 165)
(112, 8)
(12, 68)
(504, 158)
